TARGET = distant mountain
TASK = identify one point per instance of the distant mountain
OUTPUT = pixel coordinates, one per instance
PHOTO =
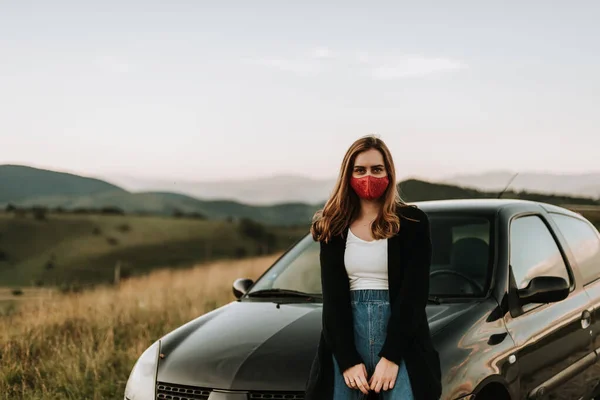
(20, 182)
(26, 187)
(259, 191)
(587, 185)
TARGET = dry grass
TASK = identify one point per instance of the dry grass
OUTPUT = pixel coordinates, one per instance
(82, 346)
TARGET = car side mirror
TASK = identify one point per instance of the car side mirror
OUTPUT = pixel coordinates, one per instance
(544, 289)
(240, 286)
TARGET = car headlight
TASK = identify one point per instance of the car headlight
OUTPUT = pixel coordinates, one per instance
(142, 380)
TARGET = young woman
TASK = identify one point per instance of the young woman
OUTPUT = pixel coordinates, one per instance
(375, 258)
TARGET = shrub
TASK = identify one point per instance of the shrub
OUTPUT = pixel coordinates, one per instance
(39, 213)
(240, 252)
(126, 272)
(252, 229)
(124, 228)
(196, 215)
(17, 292)
(112, 211)
(70, 288)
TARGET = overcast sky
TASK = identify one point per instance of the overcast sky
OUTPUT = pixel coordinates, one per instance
(223, 89)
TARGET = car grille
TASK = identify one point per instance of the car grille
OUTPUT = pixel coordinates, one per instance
(276, 396)
(170, 391)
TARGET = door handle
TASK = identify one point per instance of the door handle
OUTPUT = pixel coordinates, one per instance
(586, 319)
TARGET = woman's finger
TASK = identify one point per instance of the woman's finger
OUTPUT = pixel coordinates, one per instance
(386, 385)
(376, 379)
(392, 383)
(393, 380)
(363, 384)
(378, 385)
(347, 379)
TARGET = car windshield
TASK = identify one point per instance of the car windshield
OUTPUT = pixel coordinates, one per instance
(461, 259)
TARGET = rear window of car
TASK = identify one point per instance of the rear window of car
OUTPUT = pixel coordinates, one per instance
(584, 242)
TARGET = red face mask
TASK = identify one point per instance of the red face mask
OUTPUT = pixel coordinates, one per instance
(369, 187)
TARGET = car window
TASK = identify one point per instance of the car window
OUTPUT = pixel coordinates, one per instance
(479, 228)
(584, 242)
(298, 269)
(461, 257)
(534, 252)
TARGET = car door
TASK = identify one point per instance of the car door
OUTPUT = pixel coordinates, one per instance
(583, 241)
(551, 346)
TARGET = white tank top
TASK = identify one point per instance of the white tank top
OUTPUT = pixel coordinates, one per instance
(366, 263)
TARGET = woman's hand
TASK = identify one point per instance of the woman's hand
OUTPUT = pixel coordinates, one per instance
(356, 378)
(384, 376)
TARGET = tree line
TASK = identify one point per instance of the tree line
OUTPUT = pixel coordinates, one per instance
(41, 212)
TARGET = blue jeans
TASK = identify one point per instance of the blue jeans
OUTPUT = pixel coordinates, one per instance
(371, 312)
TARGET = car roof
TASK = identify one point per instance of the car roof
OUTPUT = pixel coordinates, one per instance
(482, 205)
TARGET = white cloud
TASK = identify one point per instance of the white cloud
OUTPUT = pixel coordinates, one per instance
(310, 63)
(379, 67)
(113, 64)
(414, 66)
(322, 52)
(296, 66)
(362, 57)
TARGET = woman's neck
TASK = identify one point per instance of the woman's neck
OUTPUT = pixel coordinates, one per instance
(369, 209)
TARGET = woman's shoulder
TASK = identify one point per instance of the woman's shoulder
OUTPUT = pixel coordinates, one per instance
(412, 213)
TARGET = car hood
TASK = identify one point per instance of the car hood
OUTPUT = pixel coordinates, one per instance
(255, 345)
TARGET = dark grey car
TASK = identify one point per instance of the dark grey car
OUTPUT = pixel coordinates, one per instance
(514, 313)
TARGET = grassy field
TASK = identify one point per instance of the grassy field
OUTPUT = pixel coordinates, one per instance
(85, 249)
(10, 298)
(83, 345)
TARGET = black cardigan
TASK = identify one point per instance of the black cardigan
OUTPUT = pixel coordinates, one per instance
(408, 337)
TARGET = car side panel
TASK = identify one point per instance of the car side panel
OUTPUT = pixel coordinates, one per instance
(474, 348)
(549, 339)
(553, 349)
(589, 377)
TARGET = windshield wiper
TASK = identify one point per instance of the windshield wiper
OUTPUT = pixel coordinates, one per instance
(282, 293)
(434, 299)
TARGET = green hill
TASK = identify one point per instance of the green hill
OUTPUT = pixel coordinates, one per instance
(168, 204)
(18, 183)
(416, 190)
(29, 187)
(85, 248)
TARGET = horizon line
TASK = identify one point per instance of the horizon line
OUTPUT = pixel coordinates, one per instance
(416, 176)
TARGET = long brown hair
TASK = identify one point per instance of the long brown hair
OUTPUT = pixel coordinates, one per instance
(344, 204)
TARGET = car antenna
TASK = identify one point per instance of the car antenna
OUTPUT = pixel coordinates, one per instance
(507, 185)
